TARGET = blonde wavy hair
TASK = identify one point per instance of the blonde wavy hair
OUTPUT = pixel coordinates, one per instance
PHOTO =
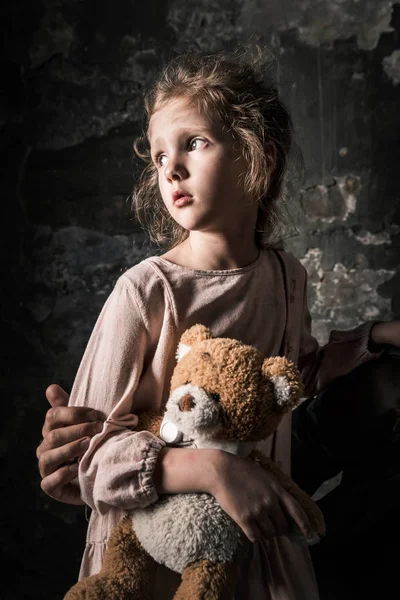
(237, 93)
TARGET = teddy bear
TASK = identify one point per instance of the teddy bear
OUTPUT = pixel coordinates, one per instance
(224, 394)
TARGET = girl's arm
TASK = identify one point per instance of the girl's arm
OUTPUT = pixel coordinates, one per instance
(116, 469)
(250, 495)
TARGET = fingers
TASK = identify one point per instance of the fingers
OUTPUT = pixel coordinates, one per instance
(52, 460)
(63, 416)
(271, 520)
(56, 395)
(67, 431)
(262, 507)
(58, 438)
(298, 514)
(59, 485)
(266, 528)
(251, 530)
(279, 521)
(261, 524)
(274, 518)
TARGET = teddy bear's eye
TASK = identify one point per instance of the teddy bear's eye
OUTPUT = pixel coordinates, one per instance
(215, 397)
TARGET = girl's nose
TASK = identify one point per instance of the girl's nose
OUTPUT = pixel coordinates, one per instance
(175, 170)
(186, 403)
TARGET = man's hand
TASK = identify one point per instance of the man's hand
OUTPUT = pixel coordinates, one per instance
(66, 435)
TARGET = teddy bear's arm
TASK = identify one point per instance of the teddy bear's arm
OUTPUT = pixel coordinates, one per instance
(310, 507)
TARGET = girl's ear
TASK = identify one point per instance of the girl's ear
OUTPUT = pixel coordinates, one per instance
(193, 335)
(285, 377)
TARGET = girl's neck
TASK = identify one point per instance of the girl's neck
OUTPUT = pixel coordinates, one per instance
(208, 252)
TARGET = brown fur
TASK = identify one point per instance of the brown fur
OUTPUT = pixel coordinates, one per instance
(205, 580)
(150, 421)
(195, 334)
(280, 366)
(127, 572)
(234, 370)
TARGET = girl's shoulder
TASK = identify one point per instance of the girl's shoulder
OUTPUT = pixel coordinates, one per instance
(139, 272)
(142, 278)
(143, 287)
(291, 265)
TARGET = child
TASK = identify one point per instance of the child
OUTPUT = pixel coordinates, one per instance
(216, 147)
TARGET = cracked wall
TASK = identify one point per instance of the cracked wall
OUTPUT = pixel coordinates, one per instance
(75, 72)
(319, 22)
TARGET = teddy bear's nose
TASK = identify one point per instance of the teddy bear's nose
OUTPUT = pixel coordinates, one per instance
(186, 403)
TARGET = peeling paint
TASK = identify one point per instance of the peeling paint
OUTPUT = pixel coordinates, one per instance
(343, 298)
(371, 239)
(391, 66)
(330, 203)
(140, 62)
(203, 23)
(320, 22)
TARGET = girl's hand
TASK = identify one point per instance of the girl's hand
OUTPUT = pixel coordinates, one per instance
(386, 333)
(255, 500)
(66, 435)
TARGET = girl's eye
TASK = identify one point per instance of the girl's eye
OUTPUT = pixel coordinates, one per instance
(215, 397)
(195, 144)
(160, 160)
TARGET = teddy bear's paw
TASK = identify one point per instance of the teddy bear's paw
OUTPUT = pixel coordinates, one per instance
(89, 589)
(207, 580)
(78, 592)
(99, 587)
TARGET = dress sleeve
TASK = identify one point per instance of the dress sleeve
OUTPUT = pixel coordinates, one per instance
(117, 468)
(345, 350)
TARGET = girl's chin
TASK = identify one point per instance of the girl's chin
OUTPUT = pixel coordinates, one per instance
(195, 222)
(197, 227)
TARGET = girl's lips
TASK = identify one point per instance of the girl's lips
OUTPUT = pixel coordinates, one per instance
(182, 200)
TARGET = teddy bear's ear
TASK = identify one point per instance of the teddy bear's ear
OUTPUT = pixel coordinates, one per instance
(193, 335)
(288, 386)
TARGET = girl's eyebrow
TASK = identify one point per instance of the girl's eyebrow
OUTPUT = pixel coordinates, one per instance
(182, 131)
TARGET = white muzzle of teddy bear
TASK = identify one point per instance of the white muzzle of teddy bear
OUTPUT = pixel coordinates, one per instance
(192, 419)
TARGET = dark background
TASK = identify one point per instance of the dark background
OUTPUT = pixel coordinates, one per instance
(72, 77)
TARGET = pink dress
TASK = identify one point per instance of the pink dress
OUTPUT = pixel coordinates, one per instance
(126, 369)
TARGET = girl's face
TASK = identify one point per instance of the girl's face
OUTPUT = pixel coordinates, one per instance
(200, 174)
